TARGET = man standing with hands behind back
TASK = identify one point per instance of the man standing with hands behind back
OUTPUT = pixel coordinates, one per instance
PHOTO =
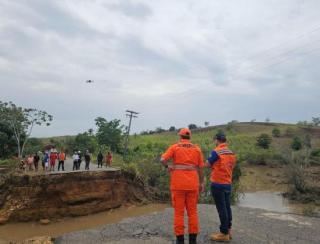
(186, 181)
(222, 161)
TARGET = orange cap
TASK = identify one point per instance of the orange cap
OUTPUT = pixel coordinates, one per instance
(184, 132)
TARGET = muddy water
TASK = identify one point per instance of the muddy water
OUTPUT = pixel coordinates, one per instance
(22, 231)
(271, 201)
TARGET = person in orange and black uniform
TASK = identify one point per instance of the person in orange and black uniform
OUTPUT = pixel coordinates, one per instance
(222, 161)
(186, 181)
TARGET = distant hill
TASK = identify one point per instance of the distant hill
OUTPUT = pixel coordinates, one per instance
(239, 132)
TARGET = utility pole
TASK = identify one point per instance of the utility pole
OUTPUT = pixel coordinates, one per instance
(131, 114)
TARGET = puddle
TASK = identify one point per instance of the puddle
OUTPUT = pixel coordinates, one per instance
(285, 217)
(22, 231)
(271, 201)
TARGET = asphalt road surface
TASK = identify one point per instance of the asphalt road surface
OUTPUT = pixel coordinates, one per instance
(68, 167)
(249, 226)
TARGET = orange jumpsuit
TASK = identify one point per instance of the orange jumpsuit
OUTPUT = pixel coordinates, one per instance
(184, 184)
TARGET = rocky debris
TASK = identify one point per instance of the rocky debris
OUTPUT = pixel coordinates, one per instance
(44, 221)
(249, 226)
(3, 220)
(38, 240)
(54, 196)
(151, 240)
(137, 232)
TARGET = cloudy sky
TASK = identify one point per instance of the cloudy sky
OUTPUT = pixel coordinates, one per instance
(176, 62)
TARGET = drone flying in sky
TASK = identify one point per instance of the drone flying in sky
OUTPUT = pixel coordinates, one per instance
(89, 81)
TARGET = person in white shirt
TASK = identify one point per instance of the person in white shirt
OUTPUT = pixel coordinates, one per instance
(75, 158)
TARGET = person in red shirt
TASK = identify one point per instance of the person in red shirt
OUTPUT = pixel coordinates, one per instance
(222, 161)
(53, 158)
(186, 180)
(108, 159)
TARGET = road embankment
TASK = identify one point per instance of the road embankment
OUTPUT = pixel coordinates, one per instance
(35, 197)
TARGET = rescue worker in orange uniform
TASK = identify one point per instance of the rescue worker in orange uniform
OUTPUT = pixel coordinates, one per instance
(186, 180)
(222, 161)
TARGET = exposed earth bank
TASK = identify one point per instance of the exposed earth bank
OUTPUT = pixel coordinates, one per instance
(250, 226)
(35, 197)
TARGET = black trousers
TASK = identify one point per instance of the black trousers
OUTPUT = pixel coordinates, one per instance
(222, 199)
(75, 165)
(87, 165)
(61, 164)
(36, 163)
(99, 163)
(78, 164)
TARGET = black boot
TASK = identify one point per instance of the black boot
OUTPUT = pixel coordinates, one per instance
(180, 239)
(192, 238)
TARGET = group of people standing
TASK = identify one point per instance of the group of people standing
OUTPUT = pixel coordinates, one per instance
(77, 159)
(108, 159)
(48, 160)
(30, 162)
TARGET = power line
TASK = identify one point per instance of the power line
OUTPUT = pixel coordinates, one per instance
(285, 43)
(131, 114)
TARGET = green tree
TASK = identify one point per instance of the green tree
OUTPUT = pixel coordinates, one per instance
(85, 141)
(264, 141)
(296, 143)
(70, 145)
(34, 145)
(276, 132)
(22, 121)
(172, 128)
(109, 133)
(192, 126)
(316, 121)
(160, 130)
(7, 141)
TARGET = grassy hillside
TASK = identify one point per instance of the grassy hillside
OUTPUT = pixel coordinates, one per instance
(241, 136)
(144, 152)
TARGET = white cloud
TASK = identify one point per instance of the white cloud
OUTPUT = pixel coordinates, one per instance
(156, 56)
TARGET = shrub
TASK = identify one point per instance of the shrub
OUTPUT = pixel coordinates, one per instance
(307, 141)
(172, 128)
(315, 153)
(296, 144)
(258, 157)
(276, 132)
(315, 157)
(264, 141)
(296, 173)
(11, 163)
(192, 126)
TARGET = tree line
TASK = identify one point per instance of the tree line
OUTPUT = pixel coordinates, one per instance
(16, 126)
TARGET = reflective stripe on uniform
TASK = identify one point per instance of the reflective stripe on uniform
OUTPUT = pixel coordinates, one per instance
(183, 167)
(224, 151)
